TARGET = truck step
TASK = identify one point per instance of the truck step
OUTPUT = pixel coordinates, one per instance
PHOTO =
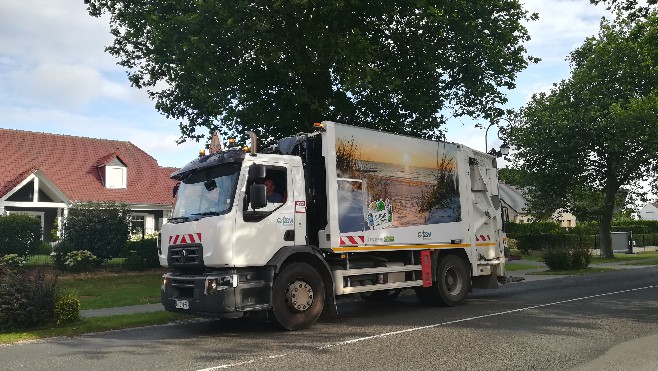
(383, 286)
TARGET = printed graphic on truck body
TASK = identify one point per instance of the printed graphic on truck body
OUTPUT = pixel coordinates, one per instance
(388, 181)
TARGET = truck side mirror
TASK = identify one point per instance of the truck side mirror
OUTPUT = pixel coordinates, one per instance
(175, 190)
(256, 172)
(257, 196)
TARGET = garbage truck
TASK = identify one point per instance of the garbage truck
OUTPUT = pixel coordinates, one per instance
(286, 230)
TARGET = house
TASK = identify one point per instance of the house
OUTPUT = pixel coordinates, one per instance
(44, 174)
(512, 198)
(649, 211)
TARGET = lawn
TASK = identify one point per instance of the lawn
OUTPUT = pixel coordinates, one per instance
(511, 266)
(572, 272)
(109, 290)
(96, 324)
(619, 258)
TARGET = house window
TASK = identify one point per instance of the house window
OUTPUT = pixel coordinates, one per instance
(115, 176)
(137, 226)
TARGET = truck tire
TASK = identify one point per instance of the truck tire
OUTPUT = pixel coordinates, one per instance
(453, 282)
(297, 297)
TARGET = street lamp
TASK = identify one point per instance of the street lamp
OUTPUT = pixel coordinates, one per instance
(504, 151)
(504, 148)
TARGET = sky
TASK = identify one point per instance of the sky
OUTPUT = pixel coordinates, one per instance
(55, 76)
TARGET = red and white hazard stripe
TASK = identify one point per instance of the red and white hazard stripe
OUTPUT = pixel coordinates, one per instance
(352, 240)
(185, 238)
(482, 238)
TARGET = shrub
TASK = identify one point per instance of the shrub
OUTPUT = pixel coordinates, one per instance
(580, 258)
(141, 254)
(19, 234)
(67, 309)
(27, 299)
(43, 249)
(557, 259)
(80, 261)
(12, 261)
(102, 228)
(562, 259)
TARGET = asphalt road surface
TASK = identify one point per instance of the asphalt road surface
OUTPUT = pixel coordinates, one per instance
(604, 321)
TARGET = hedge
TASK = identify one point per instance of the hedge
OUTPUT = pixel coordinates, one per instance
(19, 234)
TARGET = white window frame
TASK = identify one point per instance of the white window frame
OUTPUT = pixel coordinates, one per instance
(110, 182)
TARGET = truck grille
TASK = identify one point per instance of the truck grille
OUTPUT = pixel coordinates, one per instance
(188, 256)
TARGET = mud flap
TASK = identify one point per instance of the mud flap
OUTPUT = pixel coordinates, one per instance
(485, 282)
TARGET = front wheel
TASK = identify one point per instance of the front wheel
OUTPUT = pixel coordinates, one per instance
(297, 296)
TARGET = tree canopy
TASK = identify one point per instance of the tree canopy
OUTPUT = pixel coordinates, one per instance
(596, 131)
(632, 9)
(275, 67)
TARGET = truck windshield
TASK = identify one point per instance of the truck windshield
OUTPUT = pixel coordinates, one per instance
(207, 192)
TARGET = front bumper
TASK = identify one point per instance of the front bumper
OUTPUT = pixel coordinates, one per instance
(224, 293)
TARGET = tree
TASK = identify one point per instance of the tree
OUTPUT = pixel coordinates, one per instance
(275, 67)
(632, 9)
(597, 130)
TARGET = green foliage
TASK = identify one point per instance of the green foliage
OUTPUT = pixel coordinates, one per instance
(276, 67)
(141, 255)
(101, 228)
(580, 258)
(601, 124)
(80, 261)
(513, 177)
(27, 299)
(557, 259)
(53, 231)
(636, 226)
(563, 259)
(43, 249)
(12, 261)
(632, 9)
(533, 228)
(67, 309)
(19, 234)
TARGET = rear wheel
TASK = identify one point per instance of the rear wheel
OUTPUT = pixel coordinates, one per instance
(451, 286)
(297, 296)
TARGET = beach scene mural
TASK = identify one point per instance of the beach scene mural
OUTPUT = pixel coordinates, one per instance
(390, 181)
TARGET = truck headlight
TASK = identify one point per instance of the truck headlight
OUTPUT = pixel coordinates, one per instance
(217, 284)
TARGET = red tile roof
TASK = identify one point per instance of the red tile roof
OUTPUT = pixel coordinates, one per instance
(72, 164)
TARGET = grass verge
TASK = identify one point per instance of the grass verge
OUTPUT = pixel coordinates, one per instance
(644, 262)
(90, 325)
(621, 258)
(519, 267)
(111, 290)
(573, 272)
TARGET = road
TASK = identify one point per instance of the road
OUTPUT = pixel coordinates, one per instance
(603, 321)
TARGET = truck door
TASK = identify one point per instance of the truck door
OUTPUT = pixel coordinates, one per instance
(486, 214)
(262, 232)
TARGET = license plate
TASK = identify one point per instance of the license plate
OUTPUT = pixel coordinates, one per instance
(182, 304)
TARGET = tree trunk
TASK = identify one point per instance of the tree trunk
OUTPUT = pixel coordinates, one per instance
(605, 224)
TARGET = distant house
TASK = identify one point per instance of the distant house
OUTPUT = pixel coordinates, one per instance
(44, 174)
(512, 198)
(649, 211)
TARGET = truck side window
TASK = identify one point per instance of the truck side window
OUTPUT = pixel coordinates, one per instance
(275, 183)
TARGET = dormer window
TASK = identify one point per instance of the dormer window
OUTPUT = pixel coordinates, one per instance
(116, 174)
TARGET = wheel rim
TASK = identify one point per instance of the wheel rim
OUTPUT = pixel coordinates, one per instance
(299, 296)
(453, 281)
